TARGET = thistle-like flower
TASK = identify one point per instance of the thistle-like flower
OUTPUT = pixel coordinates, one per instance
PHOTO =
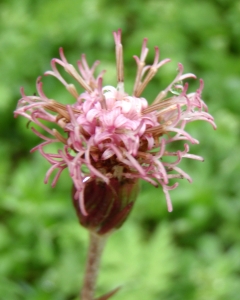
(110, 139)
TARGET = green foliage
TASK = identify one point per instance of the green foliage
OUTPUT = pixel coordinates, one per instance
(192, 253)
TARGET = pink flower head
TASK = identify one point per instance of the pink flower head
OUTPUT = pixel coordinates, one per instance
(106, 134)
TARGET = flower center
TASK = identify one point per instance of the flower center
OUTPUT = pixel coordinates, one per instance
(130, 106)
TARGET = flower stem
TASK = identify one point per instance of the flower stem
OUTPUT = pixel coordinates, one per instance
(96, 244)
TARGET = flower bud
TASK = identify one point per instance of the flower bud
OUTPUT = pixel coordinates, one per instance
(107, 205)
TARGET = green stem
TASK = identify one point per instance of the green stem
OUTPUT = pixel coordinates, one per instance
(96, 245)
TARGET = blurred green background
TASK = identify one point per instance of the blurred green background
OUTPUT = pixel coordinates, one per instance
(191, 253)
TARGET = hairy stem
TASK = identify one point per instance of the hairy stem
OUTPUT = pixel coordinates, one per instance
(96, 244)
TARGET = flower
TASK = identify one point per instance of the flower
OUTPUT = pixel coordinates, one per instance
(107, 136)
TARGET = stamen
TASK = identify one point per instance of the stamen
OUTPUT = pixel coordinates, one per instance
(101, 95)
(160, 97)
(59, 136)
(156, 130)
(119, 60)
(140, 65)
(72, 90)
(152, 70)
(72, 71)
